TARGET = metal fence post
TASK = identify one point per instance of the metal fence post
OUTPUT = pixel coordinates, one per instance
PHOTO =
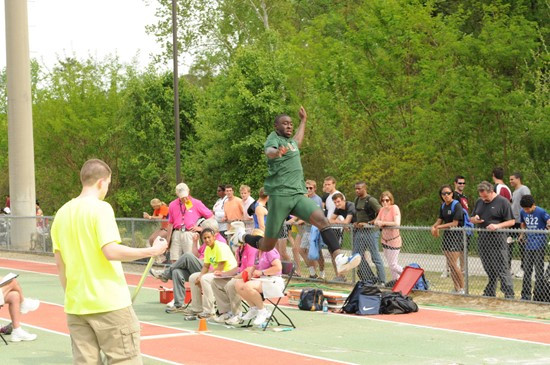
(466, 274)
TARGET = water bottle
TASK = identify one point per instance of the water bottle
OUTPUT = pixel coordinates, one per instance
(325, 306)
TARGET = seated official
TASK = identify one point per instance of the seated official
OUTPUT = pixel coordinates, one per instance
(265, 279)
(219, 256)
(12, 295)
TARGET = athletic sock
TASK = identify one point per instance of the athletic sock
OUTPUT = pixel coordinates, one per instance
(311, 270)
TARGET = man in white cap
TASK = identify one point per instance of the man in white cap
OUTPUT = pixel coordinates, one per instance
(183, 214)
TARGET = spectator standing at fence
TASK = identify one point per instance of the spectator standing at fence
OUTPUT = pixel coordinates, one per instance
(533, 218)
(233, 206)
(247, 200)
(452, 244)
(218, 210)
(88, 255)
(458, 194)
(388, 218)
(286, 189)
(329, 187)
(184, 214)
(160, 211)
(500, 187)
(304, 234)
(520, 190)
(364, 238)
(343, 214)
(494, 212)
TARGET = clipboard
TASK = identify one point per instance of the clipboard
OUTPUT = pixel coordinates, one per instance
(6, 279)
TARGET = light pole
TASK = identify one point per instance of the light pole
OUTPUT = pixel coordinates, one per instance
(176, 90)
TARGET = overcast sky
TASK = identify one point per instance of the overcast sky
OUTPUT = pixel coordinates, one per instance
(86, 27)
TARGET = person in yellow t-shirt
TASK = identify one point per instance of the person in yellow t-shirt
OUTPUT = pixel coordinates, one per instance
(88, 255)
(219, 255)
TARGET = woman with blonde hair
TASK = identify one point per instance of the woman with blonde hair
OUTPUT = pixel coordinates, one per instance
(388, 218)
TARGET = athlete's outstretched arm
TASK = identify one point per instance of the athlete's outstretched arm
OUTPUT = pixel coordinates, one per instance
(301, 131)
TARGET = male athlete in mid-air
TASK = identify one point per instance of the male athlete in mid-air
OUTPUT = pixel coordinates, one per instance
(286, 188)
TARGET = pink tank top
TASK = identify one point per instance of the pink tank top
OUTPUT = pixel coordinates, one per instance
(390, 236)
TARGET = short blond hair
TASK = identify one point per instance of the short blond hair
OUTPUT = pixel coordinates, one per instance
(155, 201)
(94, 170)
(312, 183)
(246, 187)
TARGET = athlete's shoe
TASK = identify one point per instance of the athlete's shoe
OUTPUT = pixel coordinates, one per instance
(252, 313)
(261, 317)
(19, 334)
(235, 320)
(346, 263)
(158, 274)
(223, 317)
(29, 305)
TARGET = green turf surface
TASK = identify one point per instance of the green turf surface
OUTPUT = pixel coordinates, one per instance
(344, 338)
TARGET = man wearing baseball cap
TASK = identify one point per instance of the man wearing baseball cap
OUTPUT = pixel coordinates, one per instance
(184, 213)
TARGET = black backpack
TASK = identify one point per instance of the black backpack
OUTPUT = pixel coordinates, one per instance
(368, 209)
(311, 299)
(397, 303)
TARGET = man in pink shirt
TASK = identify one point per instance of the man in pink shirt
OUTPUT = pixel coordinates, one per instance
(233, 206)
(184, 214)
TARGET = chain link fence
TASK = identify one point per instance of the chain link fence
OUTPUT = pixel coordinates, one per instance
(509, 264)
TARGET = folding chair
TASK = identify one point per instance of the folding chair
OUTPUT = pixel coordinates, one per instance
(288, 269)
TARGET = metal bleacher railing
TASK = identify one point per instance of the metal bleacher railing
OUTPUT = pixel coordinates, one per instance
(483, 259)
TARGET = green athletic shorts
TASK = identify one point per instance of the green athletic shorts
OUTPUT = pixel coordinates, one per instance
(280, 207)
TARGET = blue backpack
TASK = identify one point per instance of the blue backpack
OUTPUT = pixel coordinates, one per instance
(421, 283)
(468, 225)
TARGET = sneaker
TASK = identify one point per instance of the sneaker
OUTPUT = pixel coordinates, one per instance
(252, 313)
(205, 315)
(29, 305)
(235, 320)
(190, 312)
(322, 275)
(170, 303)
(340, 279)
(158, 274)
(174, 309)
(223, 317)
(314, 276)
(261, 317)
(345, 263)
(7, 329)
(19, 334)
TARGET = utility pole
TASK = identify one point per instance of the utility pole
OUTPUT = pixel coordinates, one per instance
(176, 90)
(20, 133)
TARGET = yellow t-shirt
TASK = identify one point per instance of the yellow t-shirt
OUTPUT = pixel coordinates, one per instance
(94, 284)
(220, 253)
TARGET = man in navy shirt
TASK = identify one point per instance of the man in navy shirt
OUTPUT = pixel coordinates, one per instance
(533, 218)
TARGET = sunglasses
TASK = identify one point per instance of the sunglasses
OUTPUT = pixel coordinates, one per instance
(309, 187)
(446, 193)
(461, 183)
(384, 200)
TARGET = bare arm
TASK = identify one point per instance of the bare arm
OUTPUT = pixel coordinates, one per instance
(61, 269)
(116, 252)
(505, 224)
(301, 131)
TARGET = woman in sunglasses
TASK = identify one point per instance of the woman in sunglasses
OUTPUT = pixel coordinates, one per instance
(389, 217)
(451, 215)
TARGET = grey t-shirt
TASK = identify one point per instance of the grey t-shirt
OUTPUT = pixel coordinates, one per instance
(496, 211)
(516, 197)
